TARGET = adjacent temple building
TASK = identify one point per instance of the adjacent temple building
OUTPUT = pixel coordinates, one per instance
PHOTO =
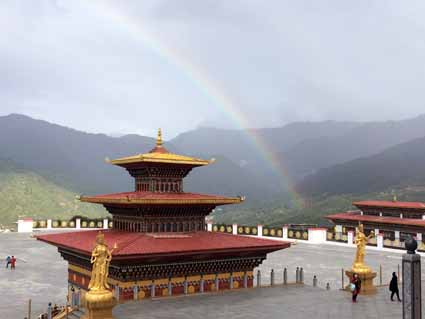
(390, 220)
(163, 247)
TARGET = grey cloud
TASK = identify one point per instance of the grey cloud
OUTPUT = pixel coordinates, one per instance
(277, 61)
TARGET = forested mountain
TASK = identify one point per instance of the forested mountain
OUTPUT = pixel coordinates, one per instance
(325, 159)
(27, 194)
(360, 141)
(402, 165)
(76, 160)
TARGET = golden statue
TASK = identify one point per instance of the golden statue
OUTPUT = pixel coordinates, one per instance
(99, 300)
(361, 241)
(100, 258)
(364, 272)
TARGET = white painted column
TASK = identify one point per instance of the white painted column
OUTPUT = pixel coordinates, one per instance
(285, 232)
(380, 241)
(49, 224)
(78, 223)
(25, 225)
(135, 292)
(260, 230)
(401, 215)
(105, 223)
(235, 229)
(350, 237)
(397, 236)
(423, 216)
(209, 226)
(376, 231)
(317, 235)
(20, 225)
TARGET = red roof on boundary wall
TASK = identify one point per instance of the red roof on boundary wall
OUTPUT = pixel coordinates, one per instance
(390, 204)
(145, 244)
(355, 216)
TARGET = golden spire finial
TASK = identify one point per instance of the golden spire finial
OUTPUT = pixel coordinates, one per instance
(159, 138)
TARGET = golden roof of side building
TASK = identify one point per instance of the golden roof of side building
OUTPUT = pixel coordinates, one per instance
(159, 154)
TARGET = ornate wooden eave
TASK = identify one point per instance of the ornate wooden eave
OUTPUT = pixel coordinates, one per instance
(162, 201)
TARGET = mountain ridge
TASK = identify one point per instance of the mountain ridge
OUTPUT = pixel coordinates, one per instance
(74, 160)
(399, 165)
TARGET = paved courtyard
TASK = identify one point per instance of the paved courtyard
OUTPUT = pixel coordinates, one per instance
(41, 275)
(266, 303)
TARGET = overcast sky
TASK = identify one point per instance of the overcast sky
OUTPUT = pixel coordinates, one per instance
(132, 66)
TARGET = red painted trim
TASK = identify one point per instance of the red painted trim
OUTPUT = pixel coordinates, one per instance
(390, 204)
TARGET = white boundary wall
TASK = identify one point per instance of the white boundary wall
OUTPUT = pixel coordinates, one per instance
(317, 235)
(25, 225)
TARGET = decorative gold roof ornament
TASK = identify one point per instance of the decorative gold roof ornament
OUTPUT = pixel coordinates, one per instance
(160, 155)
(394, 198)
(159, 138)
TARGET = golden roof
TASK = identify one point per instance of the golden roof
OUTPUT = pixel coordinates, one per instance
(159, 154)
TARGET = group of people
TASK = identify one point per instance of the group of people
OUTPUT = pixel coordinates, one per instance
(10, 261)
(356, 285)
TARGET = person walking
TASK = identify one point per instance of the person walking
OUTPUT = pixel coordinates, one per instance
(394, 287)
(356, 285)
(12, 263)
(7, 261)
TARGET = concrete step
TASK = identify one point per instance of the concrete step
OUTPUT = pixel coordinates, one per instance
(76, 314)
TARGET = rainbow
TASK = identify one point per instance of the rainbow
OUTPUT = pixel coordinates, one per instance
(198, 76)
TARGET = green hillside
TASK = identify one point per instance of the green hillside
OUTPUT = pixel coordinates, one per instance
(26, 194)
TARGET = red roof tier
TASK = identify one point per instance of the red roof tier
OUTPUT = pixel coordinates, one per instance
(131, 198)
(355, 216)
(390, 204)
(153, 244)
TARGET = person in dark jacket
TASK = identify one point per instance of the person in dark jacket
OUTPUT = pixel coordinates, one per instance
(394, 287)
(357, 284)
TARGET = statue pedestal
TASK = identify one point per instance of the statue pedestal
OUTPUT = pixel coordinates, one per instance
(367, 287)
(99, 305)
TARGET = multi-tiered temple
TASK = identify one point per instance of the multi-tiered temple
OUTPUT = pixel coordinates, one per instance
(160, 231)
